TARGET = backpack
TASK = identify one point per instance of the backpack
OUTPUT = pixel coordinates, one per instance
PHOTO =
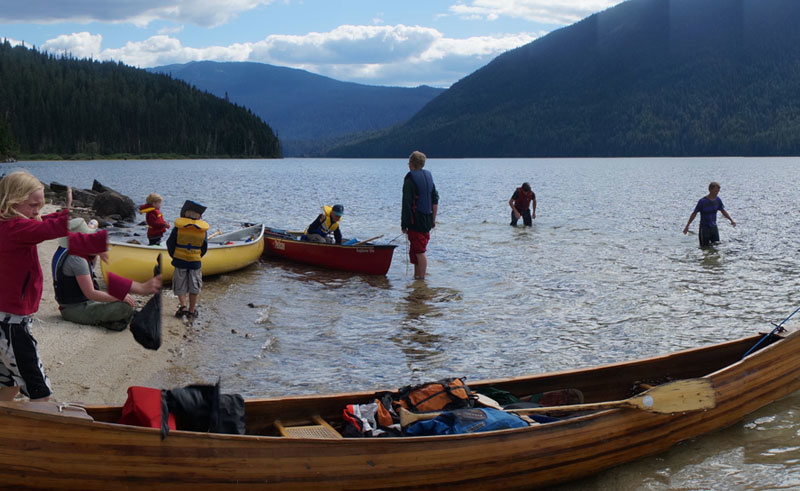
(442, 395)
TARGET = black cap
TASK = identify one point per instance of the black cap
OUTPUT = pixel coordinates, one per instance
(338, 210)
(190, 205)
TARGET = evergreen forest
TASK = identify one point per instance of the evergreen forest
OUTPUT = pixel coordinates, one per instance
(54, 107)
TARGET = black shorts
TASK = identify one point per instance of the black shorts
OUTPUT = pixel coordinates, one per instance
(19, 359)
(708, 235)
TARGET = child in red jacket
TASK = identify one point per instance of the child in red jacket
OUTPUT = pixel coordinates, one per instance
(21, 229)
(156, 226)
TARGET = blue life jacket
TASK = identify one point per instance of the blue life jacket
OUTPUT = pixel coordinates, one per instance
(424, 182)
(67, 289)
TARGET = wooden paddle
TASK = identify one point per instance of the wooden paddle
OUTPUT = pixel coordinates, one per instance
(365, 241)
(674, 397)
(218, 232)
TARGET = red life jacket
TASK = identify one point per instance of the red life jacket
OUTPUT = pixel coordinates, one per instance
(523, 199)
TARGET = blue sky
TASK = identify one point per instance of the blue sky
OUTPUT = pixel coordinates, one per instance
(380, 42)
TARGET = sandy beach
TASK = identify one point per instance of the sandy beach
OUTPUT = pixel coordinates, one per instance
(91, 364)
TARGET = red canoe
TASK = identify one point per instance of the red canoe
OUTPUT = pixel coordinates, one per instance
(364, 257)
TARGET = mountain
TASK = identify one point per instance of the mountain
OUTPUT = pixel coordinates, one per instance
(307, 111)
(644, 78)
(55, 107)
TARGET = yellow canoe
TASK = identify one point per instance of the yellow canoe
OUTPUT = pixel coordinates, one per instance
(227, 252)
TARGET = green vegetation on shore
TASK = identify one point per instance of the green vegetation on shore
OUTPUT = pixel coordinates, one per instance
(58, 107)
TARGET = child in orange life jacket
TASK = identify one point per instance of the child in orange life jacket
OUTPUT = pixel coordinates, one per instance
(156, 226)
(186, 245)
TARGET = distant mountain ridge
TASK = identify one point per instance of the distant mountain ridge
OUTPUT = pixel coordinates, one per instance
(306, 110)
(644, 78)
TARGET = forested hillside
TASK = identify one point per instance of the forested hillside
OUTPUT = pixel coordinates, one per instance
(647, 77)
(308, 111)
(54, 106)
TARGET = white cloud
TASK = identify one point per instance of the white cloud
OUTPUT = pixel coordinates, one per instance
(397, 55)
(545, 11)
(79, 45)
(348, 44)
(138, 12)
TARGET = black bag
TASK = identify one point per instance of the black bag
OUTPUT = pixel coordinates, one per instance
(146, 323)
(203, 408)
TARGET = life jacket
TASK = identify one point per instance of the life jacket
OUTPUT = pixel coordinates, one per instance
(424, 182)
(158, 226)
(191, 234)
(327, 226)
(67, 289)
(523, 200)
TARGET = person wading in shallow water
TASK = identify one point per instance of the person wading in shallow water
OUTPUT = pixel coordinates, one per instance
(522, 198)
(420, 204)
(708, 206)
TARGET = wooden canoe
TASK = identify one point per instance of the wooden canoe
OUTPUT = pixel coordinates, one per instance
(227, 252)
(366, 258)
(59, 451)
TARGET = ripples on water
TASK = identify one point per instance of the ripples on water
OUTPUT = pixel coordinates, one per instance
(604, 275)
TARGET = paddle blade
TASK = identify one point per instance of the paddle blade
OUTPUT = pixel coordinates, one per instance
(677, 397)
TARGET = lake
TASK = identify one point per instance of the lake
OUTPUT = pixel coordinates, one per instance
(604, 275)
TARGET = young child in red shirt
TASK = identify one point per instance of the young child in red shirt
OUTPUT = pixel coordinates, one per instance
(156, 226)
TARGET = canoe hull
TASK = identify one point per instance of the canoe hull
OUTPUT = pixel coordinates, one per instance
(136, 261)
(59, 452)
(366, 259)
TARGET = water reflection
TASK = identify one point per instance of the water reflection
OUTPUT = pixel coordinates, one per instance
(419, 301)
(710, 259)
(325, 277)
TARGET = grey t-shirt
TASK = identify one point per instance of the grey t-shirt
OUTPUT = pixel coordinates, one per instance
(76, 266)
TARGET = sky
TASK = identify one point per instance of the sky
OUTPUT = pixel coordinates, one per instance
(402, 43)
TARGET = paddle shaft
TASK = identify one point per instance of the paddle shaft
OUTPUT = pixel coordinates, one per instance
(673, 397)
(365, 241)
(778, 328)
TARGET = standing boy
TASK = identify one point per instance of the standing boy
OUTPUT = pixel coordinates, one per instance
(186, 245)
(156, 226)
(522, 198)
(708, 206)
(420, 204)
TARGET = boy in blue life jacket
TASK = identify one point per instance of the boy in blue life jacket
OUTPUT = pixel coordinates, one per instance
(187, 244)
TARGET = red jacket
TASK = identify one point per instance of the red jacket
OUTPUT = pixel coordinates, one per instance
(156, 226)
(20, 270)
(523, 199)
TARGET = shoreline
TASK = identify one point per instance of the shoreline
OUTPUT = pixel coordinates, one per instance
(93, 365)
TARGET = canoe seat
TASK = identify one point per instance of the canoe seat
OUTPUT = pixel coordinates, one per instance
(319, 431)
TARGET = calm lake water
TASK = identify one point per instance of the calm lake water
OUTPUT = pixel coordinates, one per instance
(604, 275)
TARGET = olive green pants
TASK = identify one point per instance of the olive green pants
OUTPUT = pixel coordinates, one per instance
(111, 315)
